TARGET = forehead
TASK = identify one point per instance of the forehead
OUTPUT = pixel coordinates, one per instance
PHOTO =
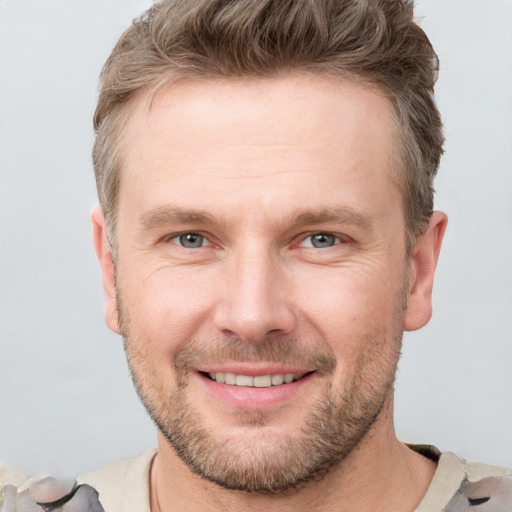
(249, 107)
(297, 133)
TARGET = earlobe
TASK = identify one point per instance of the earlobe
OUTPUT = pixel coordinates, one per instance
(104, 255)
(422, 266)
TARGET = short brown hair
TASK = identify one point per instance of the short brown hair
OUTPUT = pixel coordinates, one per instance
(375, 42)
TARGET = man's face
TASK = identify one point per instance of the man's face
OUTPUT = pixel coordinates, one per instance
(261, 240)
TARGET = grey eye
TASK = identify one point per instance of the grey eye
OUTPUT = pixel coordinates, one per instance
(322, 240)
(191, 240)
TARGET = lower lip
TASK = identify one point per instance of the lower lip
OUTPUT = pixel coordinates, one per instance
(255, 398)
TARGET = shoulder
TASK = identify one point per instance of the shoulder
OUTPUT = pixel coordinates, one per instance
(459, 485)
(488, 487)
(477, 471)
(42, 492)
(11, 477)
(123, 485)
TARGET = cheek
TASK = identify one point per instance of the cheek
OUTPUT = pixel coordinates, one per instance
(347, 300)
(351, 312)
(162, 307)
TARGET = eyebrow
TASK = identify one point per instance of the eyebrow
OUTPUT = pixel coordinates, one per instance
(340, 215)
(166, 215)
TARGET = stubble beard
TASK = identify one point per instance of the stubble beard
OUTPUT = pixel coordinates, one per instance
(333, 429)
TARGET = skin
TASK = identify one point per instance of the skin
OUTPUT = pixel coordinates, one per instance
(263, 161)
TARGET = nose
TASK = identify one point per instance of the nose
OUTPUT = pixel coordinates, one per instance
(255, 302)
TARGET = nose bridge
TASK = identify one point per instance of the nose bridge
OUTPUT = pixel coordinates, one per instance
(255, 304)
(252, 279)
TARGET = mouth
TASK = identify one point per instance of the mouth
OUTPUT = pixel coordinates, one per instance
(249, 388)
(259, 381)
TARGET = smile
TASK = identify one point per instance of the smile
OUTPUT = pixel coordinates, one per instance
(260, 381)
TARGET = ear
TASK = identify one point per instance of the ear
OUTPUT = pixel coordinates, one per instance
(104, 255)
(422, 266)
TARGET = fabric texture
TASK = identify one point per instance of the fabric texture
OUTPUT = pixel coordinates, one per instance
(457, 486)
(461, 486)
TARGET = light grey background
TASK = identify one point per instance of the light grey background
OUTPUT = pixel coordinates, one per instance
(66, 400)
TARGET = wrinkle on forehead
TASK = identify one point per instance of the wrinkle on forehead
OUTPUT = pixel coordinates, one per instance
(261, 175)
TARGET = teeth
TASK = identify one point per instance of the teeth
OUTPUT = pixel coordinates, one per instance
(229, 378)
(261, 381)
(277, 379)
(244, 380)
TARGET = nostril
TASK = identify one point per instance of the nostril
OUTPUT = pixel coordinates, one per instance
(252, 321)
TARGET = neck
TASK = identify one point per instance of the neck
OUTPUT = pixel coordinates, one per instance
(381, 474)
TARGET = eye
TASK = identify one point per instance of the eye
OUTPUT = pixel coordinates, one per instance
(321, 241)
(190, 240)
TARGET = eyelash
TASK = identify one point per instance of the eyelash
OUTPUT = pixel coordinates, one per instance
(178, 236)
(336, 239)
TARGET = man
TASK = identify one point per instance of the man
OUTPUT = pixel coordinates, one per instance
(266, 235)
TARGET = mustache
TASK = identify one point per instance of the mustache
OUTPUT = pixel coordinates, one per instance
(270, 349)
